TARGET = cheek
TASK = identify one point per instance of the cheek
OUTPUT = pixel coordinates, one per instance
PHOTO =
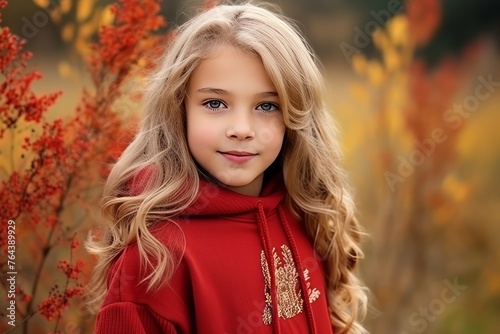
(193, 127)
(195, 137)
(193, 131)
(272, 133)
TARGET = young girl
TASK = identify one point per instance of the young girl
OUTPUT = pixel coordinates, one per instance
(229, 212)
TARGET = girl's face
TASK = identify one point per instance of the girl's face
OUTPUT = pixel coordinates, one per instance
(235, 127)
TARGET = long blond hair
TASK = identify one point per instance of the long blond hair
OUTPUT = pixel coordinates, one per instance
(313, 175)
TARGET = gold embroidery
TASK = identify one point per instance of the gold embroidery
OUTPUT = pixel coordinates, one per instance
(290, 302)
(314, 293)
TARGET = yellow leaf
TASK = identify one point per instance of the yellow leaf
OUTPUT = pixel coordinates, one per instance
(392, 59)
(380, 39)
(398, 30)
(87, 29)
(84, 9)
(65, 5)
(107, 16)
(68, 31)
(65, 69)
(359, 63)
(142, 62)
(82, 47)
(455, 189)
(375, 72)
(41, 3)
(479, 135)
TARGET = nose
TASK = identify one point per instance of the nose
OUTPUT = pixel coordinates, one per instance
(241, 126)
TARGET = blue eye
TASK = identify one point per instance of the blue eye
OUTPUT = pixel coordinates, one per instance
(214, 105)
(268, 107)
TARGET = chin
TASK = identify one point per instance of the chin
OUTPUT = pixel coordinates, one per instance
(242, 183)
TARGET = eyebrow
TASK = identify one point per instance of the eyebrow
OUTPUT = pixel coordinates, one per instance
(219, 91)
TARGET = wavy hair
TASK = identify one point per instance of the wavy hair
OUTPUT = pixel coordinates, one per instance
(315, 181)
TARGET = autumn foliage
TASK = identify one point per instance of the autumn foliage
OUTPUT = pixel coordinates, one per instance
(53, 170)
(416, 228)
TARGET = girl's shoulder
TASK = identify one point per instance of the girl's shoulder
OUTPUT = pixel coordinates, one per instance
(168, 234)
(130, 269)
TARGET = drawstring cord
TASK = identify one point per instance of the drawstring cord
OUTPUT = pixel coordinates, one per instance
(267, 249)
(270, 258)
(303, 283)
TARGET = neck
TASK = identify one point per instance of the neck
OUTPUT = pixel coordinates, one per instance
(252, 189)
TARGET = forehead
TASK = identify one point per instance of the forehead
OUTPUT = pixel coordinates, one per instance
(231, 69)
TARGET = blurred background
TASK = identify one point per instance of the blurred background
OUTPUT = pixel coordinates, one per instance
(415, 89)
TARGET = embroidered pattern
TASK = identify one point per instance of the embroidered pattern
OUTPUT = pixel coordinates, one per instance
(290, 302)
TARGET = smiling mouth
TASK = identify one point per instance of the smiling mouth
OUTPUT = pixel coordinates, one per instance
(237, 156)
(238, 153)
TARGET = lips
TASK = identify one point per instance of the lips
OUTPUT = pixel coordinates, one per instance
(238, 156)
(238, 153)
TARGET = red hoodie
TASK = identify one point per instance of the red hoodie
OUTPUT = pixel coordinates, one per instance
(247, 262)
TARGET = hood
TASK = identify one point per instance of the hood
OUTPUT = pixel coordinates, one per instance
(216, 200)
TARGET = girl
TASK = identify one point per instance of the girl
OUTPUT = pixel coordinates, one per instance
(229, 212)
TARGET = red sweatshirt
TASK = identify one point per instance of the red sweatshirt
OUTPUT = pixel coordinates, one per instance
(248, 267)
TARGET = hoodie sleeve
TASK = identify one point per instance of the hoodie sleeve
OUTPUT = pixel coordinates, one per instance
(131, 318)
(129, 307)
